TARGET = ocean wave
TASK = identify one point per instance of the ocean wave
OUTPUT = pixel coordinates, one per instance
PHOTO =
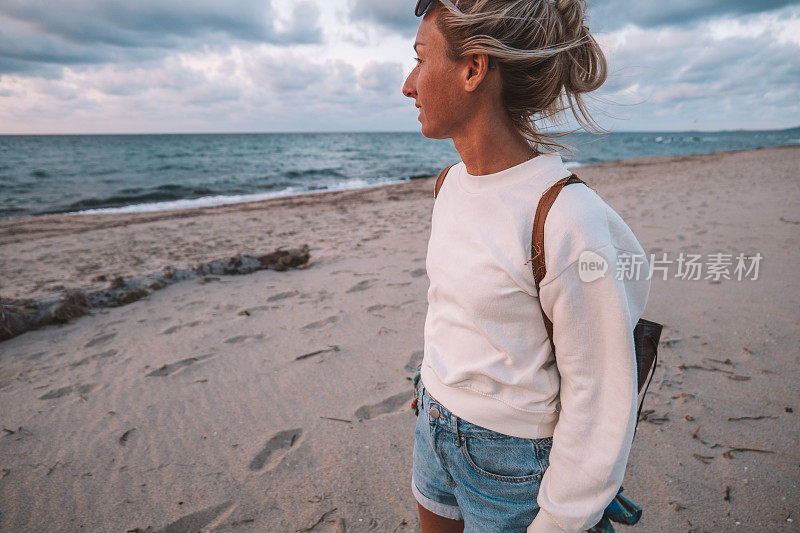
(134, 196)
(171, 166)
(11, 212)
(314, 172)
(228, 199)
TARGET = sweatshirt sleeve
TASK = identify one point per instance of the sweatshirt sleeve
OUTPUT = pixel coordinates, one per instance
(593, 323)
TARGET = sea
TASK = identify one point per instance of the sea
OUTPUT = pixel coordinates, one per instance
(47, 174)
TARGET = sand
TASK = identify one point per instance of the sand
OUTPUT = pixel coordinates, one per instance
(193, 409)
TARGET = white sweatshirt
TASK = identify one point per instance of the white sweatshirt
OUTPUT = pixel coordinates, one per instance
(487, 357)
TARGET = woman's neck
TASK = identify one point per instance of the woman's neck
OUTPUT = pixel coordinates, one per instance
(489, 144)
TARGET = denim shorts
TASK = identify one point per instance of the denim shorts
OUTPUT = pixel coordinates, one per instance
(466, 472)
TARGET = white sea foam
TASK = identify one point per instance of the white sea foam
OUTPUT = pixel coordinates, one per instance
(573, 164)
(211, 201)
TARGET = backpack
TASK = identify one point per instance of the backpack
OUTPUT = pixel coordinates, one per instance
(646, 336)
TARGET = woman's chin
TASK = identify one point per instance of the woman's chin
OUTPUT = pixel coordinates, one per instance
(430, 134)
(427, 131)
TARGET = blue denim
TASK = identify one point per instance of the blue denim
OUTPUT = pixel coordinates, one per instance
(466, 472)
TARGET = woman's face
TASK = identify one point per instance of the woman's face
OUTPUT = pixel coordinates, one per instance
(434, 82)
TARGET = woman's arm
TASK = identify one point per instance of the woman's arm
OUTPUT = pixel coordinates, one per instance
(593, 325)
(593, 333)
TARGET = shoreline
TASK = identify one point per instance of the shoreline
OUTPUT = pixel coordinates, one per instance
(265, 196)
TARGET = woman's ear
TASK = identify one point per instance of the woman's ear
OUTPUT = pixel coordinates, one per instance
(477, 68)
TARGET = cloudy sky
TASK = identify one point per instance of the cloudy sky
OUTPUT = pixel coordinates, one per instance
(121, 66)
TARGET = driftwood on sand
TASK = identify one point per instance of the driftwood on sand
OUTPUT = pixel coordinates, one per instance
(20, 315)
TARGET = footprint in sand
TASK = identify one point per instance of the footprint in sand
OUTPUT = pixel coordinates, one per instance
(100, 339)
(173, 329)
(171, 368)
(315, 297)
(250, 310)
(276, 448)
(63, 391)
(283, 295)
(97, 356)
(389, 405)
(196, 521)
(361, 285)
(109, 324)
(242, 338)
(191, 304)
(35, 356)
(418, 272)
(320, 323)
(413, 361)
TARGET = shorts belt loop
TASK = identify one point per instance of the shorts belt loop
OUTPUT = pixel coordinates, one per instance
(456, 432)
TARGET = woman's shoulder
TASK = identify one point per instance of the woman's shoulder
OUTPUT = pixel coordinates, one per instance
(579, 212)
(581, 220)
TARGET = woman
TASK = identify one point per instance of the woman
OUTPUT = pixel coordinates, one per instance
(505, 439)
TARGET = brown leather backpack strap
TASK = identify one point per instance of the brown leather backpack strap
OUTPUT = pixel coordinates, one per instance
(537, 240)
(440, 179)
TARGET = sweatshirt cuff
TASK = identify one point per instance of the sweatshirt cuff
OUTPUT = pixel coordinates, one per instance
(543, 523)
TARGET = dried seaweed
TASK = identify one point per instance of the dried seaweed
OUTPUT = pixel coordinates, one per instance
(318, 522)
(18, 316)
(330, 348)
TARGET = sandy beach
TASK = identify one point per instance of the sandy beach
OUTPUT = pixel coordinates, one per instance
(198, 407)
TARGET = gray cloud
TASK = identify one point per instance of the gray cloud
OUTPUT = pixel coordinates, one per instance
(296, 77)
(214, 94)
(36, 34)
(9, 65)
(27, 50)
(385, 77)
(302, 28)
(397, 16)
(612, 14)
(286, 73)
(604, 15)
(129, 23)
(689, 75)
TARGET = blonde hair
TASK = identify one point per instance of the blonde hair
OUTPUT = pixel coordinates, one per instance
(546, 55)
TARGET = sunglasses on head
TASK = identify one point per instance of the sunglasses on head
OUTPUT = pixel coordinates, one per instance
(422, 7)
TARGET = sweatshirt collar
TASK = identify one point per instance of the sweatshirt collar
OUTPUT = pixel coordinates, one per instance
(544, 165)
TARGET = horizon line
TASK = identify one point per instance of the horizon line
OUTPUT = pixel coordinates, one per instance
(301, 132)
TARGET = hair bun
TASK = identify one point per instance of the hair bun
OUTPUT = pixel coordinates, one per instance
(571, 12)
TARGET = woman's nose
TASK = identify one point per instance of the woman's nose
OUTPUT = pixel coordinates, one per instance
(408, 87)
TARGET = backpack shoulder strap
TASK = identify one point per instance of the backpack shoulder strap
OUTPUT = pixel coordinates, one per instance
(440, 179)
(537, 240)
